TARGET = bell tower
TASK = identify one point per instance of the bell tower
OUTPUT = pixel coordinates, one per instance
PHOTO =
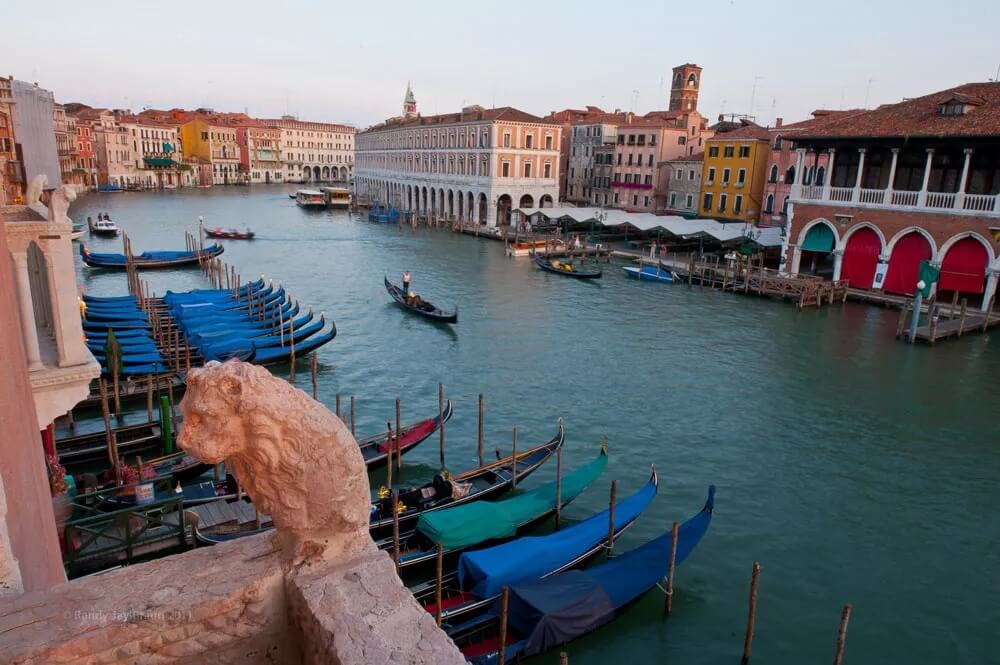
(684, 87)
(409, 103)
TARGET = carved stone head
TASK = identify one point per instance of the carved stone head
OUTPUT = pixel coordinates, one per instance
(297, 460)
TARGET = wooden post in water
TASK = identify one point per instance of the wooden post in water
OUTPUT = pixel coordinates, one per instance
(558, 487)
(173, 411)
(611, 519)
(438, 583)
(845, 616)
(961, 317)
(314, 370)
(388, 452)
(480, 439)
(441, 422)
(149, 398)
(395, 528)
(668, 604)
(352, 416)
(513, 460)
(108, 431)
(338, 406)
(291, 367)
(989, 312)
(504, 600)
(399, 434)
(752, 614)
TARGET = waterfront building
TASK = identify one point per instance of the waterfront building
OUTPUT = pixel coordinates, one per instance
(680, 180)
(84, 157)
(34, 131)
(475, 165)
(733, 173)
(315, 151)
(64, 142)
(11, 177)
(566, 119)
(583, 185)
(905, 183)
(260, 152)
(155, 149)
(211, 137)
(116, 159)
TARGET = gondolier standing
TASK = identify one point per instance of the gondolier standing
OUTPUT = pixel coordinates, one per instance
(406, 282)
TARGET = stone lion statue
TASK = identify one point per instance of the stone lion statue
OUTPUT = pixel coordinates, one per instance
(33, 194)
(297, 461)
(59, 202)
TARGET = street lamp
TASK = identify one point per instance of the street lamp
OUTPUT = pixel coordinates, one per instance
(917, 302)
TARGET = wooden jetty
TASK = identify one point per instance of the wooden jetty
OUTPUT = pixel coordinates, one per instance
(943, 321)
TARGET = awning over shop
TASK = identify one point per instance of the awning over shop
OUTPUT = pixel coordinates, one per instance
(819, 239)
(675, 225)
(159, 161)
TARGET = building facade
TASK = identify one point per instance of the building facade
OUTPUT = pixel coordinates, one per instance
(566, 119)
(11, 175)
(260, 152)
(315, 151)
(475, 166)
(906, 183)
(680, 180)
(586, 137)
(733, 174)
(116, 159)
(64, 142)
(213, 141)
(34, 130)
(156, 150)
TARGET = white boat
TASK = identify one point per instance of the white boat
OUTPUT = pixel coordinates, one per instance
(310, 198)
(338, 197)
(103, 227)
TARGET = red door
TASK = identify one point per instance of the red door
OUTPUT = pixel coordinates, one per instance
(860, 258)
(964, 267)
(904, 264)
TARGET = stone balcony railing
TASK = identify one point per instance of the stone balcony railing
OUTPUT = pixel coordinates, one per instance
(959, 203)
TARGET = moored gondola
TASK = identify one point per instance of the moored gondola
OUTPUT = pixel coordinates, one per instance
(230, 234)
(375, 449)
(565, 268)
(417, 305)
(160, 259)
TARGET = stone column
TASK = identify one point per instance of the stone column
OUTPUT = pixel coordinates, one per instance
(964, 181)
(857, 181)
(24, 301)
(829, 175)
(892, 177)
(796, 185)
(992, 276)
(10, 571)
(796, 259)
(922, 196)
(838, 263)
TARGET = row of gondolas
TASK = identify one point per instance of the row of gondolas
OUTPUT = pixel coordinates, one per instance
(551, 599)
(256, 322)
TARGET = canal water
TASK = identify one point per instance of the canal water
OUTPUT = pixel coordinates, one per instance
(855, 468)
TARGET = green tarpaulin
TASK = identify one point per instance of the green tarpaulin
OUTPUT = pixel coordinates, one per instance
(819, 239)
(158, 161)
(478, 522)
(928, 275)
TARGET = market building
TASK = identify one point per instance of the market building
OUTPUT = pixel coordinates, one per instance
(905, 183)
(314, 151)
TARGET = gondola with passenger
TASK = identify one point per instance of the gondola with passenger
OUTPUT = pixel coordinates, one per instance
(565, 268)
(414, 303)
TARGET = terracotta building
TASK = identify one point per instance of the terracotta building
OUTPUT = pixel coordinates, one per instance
(260, 152)
(11, 177)
(908, 182)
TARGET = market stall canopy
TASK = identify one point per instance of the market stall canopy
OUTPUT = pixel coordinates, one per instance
(673, 224)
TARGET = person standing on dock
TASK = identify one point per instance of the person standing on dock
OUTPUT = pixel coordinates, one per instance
(406, 282)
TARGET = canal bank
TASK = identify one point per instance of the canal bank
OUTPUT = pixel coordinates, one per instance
(855, 468)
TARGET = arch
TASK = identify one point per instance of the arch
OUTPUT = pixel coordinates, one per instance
(316, 173)
(527, 201)
(451, 203)
(811, 225)
(790, 174)
(862, 247)
(769, 201)
(306, 174)
(433, 207)
(907, 251)
(817, 240)
(857, 227)
(545, 201)
(441, 202)
(483, 209)
(469, 203)
(966, 258)
(504, 204)
(820, 175)
(326, 173)
(773, 175)
(891, 245)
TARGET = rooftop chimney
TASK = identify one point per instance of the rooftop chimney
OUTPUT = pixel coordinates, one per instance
(778, 122)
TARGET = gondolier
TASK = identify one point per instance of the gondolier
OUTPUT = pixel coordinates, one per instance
(406, 281)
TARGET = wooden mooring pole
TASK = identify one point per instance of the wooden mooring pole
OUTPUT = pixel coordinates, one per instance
(441, 422)
(395, 528)
(751, 614)
(439, 582)
(337, 406)
(668, 604)
(513, 460)
(845, 617)
(611, 519)
(479, 447)
(388, 466)
(352, 417)
(558, 487)
(399, 434)
(504, 601)
(314, 371)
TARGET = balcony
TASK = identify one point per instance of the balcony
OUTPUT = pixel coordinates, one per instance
(891, 199)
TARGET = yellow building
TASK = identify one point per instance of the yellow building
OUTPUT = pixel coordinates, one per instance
(215, 143)
(732, 182)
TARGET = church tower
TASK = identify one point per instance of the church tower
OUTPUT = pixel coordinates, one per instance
(409, 103)
(684, 88)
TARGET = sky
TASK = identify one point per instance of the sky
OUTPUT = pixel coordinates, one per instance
(350, 62)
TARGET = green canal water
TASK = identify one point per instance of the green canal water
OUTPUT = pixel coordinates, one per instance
(855, 468)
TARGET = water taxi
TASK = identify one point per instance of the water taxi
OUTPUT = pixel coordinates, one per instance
(338, 197)
(310, 198)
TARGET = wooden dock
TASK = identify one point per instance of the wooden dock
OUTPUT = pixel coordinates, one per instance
(943, 321)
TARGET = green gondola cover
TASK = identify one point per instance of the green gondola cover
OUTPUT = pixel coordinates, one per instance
(463, 526)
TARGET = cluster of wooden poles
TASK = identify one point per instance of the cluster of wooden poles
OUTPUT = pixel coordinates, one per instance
(936, 315)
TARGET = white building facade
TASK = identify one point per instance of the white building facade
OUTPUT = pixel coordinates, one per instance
(315, 151)
(473, 166)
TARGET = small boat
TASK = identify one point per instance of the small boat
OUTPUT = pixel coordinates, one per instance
(230, 234)
(103, 227)
(383, 215)
(657, 273)
(417, 305)
(338, 197)
(77, 233)
(527, 248)
(160, 259)
(310, 198)
(565, 268)
(292, 196)
(375, 449)
(552, 611)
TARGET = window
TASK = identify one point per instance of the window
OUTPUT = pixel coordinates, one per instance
(777, 143)
(673, 200)
(548, 142)
(616, 198)
(680, 174)
(773, 175)
(744, 151)
(547, 170)
(741, 176)
(619, 159)
(820, 174)
(605, 199)
(727, 151)
(725, 176)
(631, 139)
(649, 162)
(790, 175)
(711, 175)
(621, 141)
(571, 188)
(784, 206)
(807, 175)
(506, 139)
(628, 177)
(648, 180)
(505, 169)
(713, 151)
(630, 156)
(572, 172)
(528, 141)
(527, 169)
(645, 202)
(635, 199)
(738, 204)
(706, 203)
(641, 140)
(689, 202)
(681, 140)
(723, 198)
(652, 139)
(769, 204)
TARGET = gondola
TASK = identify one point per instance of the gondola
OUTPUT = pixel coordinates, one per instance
(160, 259)
(424, 308)
(486, 482)
(230, 234)
(375, 449)
(657, 273)
(549, 612)
(482, 574)
(132, 390)
(566, 269)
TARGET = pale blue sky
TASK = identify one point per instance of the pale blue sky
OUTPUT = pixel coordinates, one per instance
(350, 62)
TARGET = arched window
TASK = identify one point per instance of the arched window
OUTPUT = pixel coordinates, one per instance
(769, 204)
(820, 175)
(692, 81)
(807, 176)
(790, 175)
(784, 206)
(773, 177)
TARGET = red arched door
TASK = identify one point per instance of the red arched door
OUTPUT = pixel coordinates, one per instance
(964, 267)
(904, 264)
(860, 258)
